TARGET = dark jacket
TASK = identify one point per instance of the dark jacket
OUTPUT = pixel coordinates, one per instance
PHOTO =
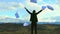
(33, 17)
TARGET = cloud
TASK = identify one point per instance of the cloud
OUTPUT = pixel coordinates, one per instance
(8, 5)
(21, 5)
(40, 0)
(28, 0)
(5, 16)
(8, 0)
(47, 20)
(57, 18)
(11, 8)
(33, 6)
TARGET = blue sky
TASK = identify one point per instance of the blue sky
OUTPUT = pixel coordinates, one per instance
(8, 8)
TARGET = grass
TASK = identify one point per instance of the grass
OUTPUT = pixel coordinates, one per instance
(9, 28)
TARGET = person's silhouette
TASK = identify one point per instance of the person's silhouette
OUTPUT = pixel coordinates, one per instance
(33, 19)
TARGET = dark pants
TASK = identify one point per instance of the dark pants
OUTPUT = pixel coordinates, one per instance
(34, 27)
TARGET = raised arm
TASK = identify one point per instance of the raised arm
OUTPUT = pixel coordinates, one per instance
(43, 7)
(27, 10)
(39, 11)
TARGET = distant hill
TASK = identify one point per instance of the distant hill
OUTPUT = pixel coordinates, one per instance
(17, 21)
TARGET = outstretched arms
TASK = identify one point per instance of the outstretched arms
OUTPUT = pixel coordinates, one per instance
(27, 10)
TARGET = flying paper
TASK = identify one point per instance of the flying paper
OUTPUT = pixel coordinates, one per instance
(34, 1)
(25, 24)
(16, 14)
(50, 7)
(43, 7)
